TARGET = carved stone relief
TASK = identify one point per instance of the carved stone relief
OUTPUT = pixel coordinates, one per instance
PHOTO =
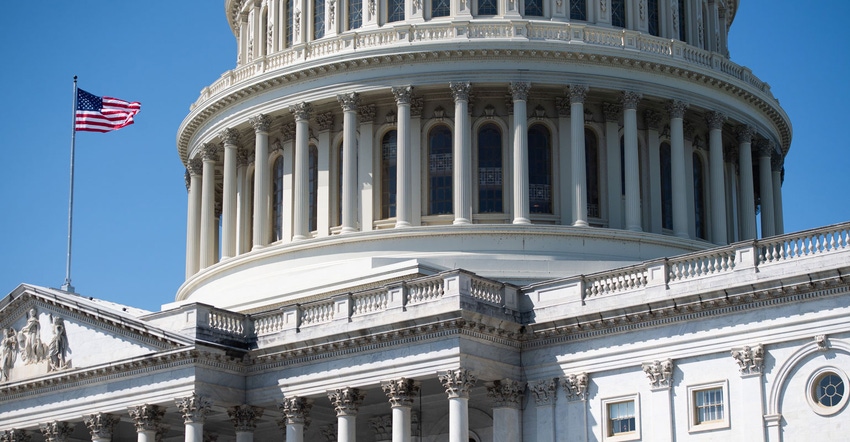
(660, 373)
(27, 346)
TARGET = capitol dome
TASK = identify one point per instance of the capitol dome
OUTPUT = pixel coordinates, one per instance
(356, 143)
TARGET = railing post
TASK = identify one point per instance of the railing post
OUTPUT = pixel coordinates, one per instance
(510, 298)
(457, 284)
(291, 317)
(396, 299)
(746, 256)
(342, 307)
(656, 273)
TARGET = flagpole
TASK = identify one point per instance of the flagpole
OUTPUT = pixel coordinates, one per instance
(67, 287)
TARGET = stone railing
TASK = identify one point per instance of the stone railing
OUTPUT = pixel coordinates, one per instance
(227, 322)
(455, 33)
(812, 242)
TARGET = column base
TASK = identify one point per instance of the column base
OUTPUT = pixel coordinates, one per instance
(521, 221)
(682, 235)
(402, 224)
(345, 230)
(299, 237)
(581, 223)
(460, 221)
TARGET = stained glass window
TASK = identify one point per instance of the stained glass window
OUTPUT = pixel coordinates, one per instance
(395, 10)
(490, 169)
(355, 14)
(440, 170)
(318, 19)
(440, 8)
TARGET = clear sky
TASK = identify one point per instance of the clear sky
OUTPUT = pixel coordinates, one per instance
(130, 197)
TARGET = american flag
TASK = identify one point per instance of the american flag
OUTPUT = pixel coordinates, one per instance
(103, 114)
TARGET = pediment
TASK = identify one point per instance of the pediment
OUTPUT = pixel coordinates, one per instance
(45, 331)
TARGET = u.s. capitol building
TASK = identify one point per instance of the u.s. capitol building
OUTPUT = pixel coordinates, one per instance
(454, 220)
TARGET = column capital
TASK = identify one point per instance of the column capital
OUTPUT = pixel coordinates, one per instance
(562, 106)
(146, 417)
(401, 392)
(195, 166)
(611, 111)
(101, 425)
(382, 426)
(578, 93)
(209, 151)
(244, 157)
(715, 120)
(210, 437)
(764, 147)
(261, 123)
(677, 108)
(660, 373)
(460, 90)
(750, 359)
(745, 133)
(777, 163)
(506, 393)
(194, 408)
(325, 121)
(652, 118)
(346, 400)
(301, 110)
(349, 101)
(366, 113)
(544, 391)
(56, 431)
(457, 382)
(244, 417)
(416, 105)
(296, 410)
(519, 90)
(575, 386)
(287, 131)
(402, 94)
(14, 435)
(688, 129)
(630, 99)
(229, 136)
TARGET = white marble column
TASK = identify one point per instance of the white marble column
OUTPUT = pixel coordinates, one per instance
(208, 250)
(750, 401)
(261, 125)
(653, 125)
(745, 168)
(193, 216)
(403, 161)
(349, 103)
(765, 153)
(229, 138)
(301, 204)
(101, 426)
(544, 392)
(611, 112)
(578, 93)
(660, 374)
(401, 393)
(778, 217)
(519, 93)
(147, 420)
(295, 411)
(462, 154)
(365, 173)
(416, 105)
(325, 122)
(457, 384)
(346, 402)
(718, 183)
(506, 395)
(244, 199)
(56, 431)
(244, 418)
(562, 104)
(631, 161)
(194, 410)
(677, 159)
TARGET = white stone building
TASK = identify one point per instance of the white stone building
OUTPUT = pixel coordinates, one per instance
(461, 221)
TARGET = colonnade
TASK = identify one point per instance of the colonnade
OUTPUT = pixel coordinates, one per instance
(729, 200)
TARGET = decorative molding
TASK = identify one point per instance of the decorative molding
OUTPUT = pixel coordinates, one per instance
(15, 435)
(416, 105)
(366, 113)
(195, 166)
(562, 106)
(301, 110)
(750, 359)
(349, 102)
(439, 113)
(401, 392)
(244, 417)
(287, 131)
(346, 401)
(575, 386)
(506, 393)
(544, 391)
(390, 117)
(244, 158)
(325, 121)
(261, 123)
(660, 373)
(329, 432)
(101, 425)
(457, 382)
(194, 408)
(822, 342)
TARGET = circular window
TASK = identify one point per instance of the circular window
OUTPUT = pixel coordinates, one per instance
(827, 391)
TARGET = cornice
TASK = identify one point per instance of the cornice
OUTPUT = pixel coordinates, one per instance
(569, 54)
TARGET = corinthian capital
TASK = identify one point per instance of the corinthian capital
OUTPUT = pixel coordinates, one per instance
(519, 90)
(544, 391)
(244, 417)
(653, 119)
(750, 359)
(745, 133)
(402, 94)
(101, 425)
(575, 386)
(349, 101)
(400, 392)
(506, 393)
(366, 113)
(460, 90)
(296, 410)
(146, 417)
(194, 408)
(261, 123)
(346, 401)
(578, 93)
(301, 110)
(210, 151)
(325, 121)
(611, 111)
(630, 99)
(56, 431)
(195, 166)
(230, 137)
(715, 120)
(677, 108)
(457, 382)
(765, 147)
(660, 373)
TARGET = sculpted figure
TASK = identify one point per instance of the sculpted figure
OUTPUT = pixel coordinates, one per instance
(32, 349)
(8, 352)
(58, 348)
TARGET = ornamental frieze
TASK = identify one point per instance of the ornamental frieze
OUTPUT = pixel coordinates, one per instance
(36, 348)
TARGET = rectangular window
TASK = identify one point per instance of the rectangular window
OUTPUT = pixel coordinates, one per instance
(355, 14)
(618, 13)
(440, 8)
(487, 7)
(289, 23)
(652, 5)
(621, 418)
(318, 19)
(578, 10)
(395, 10)
(707, 403)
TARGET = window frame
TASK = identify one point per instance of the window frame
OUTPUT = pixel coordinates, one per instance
(630, 436)
(694, 426)
(814, 380)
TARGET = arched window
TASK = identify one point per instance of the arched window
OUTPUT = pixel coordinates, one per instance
(666, 187)
(440, 8)
(578, 10)
(318, 19)
(591, 161)
(440, 170)
(314, 188)
(539, 169)
(289, 23)
(534, 8)
(355, 14)
(388, 174)
(489, 169)
(683, 20)
(487, 7)
(395, 10)
(699, 197)
(618, 13)
(277, 200)
(652, 18)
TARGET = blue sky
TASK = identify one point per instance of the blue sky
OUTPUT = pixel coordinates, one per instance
(130, 198)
